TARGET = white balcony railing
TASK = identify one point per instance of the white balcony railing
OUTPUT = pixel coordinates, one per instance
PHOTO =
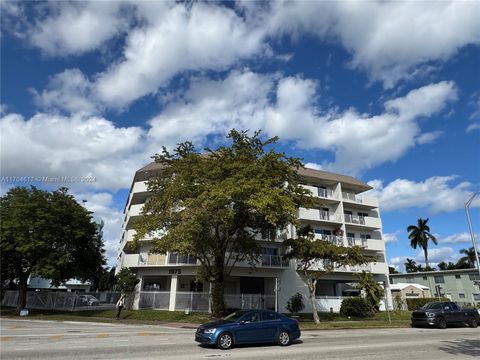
(179, 259)
(351, 197)
(274, 261)
(325, 193)
(352, 241)
(336, 240)
(353, 219)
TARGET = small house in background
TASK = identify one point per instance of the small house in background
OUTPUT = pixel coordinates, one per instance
(409, 291)
(74, 285)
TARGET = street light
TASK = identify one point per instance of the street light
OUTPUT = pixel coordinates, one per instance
(474, 242)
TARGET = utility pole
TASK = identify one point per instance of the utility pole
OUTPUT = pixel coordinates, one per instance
(472, 235)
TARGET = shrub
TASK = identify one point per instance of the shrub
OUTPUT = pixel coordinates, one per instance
(295, 304)
(414, 304)
(356, 307)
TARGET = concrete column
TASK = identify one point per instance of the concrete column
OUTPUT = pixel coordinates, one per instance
(138, 289)
(173, 293)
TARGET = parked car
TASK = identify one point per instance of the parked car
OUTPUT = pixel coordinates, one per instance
(87, 300)
(441, 314)
(248, 327)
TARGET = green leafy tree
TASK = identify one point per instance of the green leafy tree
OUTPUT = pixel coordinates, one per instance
(47, 234)
(419, 236)
(309, 252)
(411, 266)
(295, 304)
(126, 280)
(212, 205)
(469, 258)
(372, 290)
(105, 280)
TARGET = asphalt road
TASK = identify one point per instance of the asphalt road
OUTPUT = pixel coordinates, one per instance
(29, 339)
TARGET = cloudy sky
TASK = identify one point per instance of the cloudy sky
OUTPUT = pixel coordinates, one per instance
(385, 91)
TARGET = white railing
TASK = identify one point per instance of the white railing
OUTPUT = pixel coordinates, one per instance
(351, 197)
(275, 261)
(179, 259)
(354, 219)
(325, 193)
(336, 240)
(249, 301)
(352, 241)
(325, 215)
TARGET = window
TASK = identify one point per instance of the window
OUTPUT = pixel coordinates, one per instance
(252, 317)
(476, 297)
(439, 279)
(351, 235)
(424, 277)
(457, 276)
(461, 295)
(269, 251)
(474, 277)
(362, 214)
(269, 316)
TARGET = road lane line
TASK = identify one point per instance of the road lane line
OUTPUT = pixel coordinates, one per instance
(6, 338)
(103, 335)
(56, 337)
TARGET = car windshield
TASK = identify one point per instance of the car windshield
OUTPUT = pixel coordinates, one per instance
(234, 316)
(434, 305)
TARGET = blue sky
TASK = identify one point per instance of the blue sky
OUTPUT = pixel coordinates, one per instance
(370, 89)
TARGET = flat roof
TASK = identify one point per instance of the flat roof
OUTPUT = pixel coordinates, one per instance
(436, 272)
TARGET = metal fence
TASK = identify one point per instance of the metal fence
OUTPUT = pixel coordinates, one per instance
(249, 301)
(66, 301)
(194, 301)
(154, 300)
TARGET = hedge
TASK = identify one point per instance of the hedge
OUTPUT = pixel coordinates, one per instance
(356, 307)
(414, 304)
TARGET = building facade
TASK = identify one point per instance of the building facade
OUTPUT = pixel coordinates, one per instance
(462, 286)
(167, 281)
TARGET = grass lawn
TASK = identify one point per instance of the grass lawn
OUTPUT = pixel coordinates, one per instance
(328, 320)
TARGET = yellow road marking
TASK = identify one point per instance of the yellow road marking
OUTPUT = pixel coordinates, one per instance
(6, 338)
(103, 335)
(56, 337)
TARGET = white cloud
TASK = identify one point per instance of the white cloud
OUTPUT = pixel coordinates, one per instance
(391, 237)
(72, 28)
(201, 36)
(70, 91)
(53, 145)
(458, 238)
(436, 255)
(313, 166)
(429, 137)
(435, 193)
(390, 40)
(243, 100)
(472, 127)
(103, 208)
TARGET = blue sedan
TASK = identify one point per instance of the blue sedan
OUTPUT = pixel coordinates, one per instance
(249, 327)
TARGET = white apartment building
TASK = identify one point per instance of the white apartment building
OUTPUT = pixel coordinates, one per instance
(167, 281)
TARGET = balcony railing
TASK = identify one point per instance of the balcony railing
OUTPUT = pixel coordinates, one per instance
(336, 240)
(325, 193)
(354, 219)
(275, 261)
(180, 259)
(351, 197)
(352, 241)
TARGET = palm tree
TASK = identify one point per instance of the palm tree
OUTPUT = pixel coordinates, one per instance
(410, 266)
(469, 257)
(419, 235)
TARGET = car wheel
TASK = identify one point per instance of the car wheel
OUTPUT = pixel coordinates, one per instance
(441, 323)
(472, 322)
(283, 338)
(225, 341)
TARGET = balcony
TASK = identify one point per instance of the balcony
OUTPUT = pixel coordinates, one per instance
(321, 192)
(180, 259)
(332, 239)
(318, 215)
(363, 200)
(366, 221)
(274, 261)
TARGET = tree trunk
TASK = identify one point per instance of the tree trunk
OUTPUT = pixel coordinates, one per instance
(425, 252)
(312, 288)
(218, 304)
(22, 293)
